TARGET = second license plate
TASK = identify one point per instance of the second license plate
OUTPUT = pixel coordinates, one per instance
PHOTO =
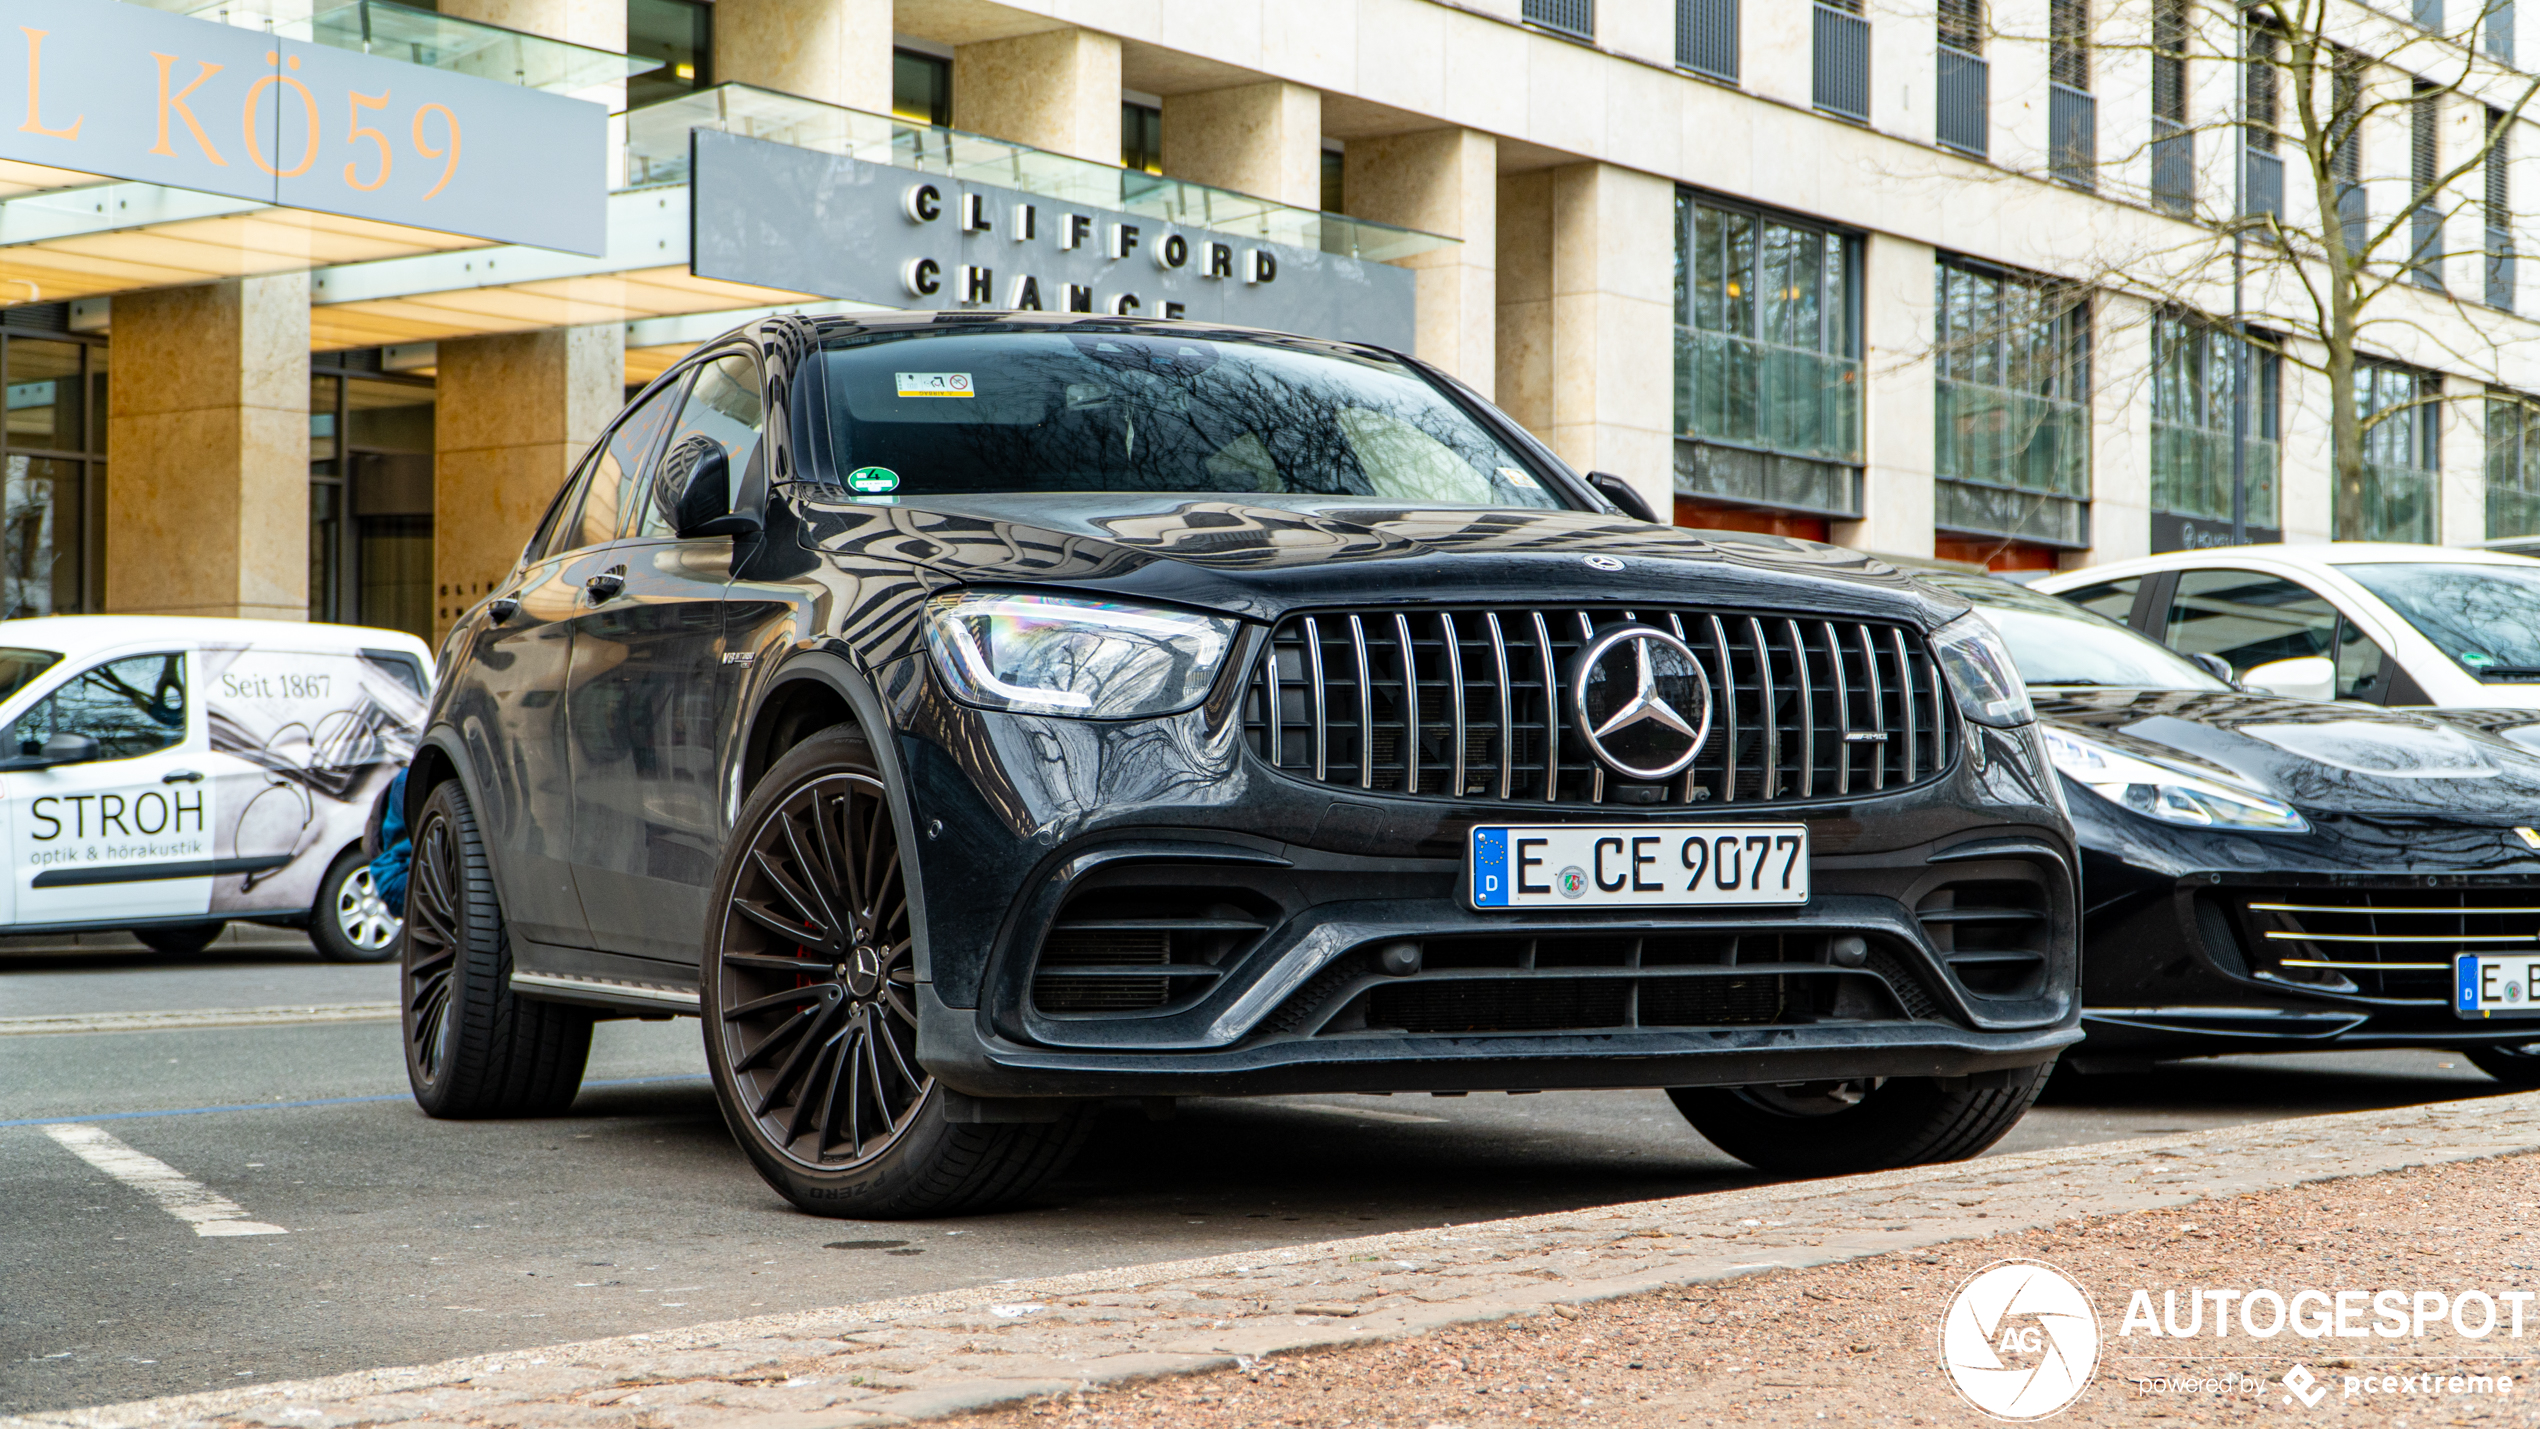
(1638, 865)
(2496, 985)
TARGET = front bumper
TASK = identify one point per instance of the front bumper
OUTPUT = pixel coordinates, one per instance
(2193, 943)
(1144, 909)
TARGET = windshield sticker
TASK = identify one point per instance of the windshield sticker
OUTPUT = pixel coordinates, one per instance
(933, 384)
(1519, 479)
(2477, 658)
(874, 480)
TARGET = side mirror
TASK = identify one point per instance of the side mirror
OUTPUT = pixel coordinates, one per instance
(693, 487)
(2306, 677)
(1613, 488)
(2216, 666)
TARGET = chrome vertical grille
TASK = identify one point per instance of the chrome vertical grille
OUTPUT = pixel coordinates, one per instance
(1470, 704)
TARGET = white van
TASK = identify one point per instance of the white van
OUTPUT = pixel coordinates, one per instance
(165, 775)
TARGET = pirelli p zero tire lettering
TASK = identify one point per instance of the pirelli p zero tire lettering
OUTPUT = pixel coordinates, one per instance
(473, 1048)
(1835, 1128)
(809, 1000)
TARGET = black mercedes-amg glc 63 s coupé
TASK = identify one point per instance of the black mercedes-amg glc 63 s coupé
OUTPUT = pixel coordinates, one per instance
(971, 717)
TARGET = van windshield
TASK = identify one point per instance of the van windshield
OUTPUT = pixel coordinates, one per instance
(1090, 409)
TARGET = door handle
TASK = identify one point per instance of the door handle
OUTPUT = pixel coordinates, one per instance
(502, 608)
(605, 586)
(180, 776)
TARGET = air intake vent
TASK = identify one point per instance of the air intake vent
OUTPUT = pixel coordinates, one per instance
(1988, 931)
(1136, 949)
(1469, 704)
(2392, 942)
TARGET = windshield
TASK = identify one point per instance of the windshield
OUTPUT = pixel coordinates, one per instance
(2055, 642)
(19, 667)
(1084, 409)
(2487, 618)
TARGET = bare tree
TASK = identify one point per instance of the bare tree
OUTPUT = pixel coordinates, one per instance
(2322, 88)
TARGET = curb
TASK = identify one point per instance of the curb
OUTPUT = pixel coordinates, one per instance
(920, 1357)
(202, 1017)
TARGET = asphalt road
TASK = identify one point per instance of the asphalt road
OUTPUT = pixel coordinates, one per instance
(407, 1240)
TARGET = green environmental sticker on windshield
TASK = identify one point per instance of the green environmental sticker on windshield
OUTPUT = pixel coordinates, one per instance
(2477, 657)
(873, 480)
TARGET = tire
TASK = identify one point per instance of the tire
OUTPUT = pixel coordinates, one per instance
(1836, 1128)
(2516, 1065)
(473, 1048)
(349, 923)
(809, 1004)
(179, 940)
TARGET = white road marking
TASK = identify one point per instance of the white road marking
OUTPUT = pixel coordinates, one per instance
(200, 1017)
(1370, 1113)
(189, 1200)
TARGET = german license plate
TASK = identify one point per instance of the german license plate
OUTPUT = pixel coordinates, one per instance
(1638, 865)
(2496, 984)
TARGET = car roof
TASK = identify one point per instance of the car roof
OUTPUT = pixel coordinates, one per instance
(75, 635)
(2314, 555)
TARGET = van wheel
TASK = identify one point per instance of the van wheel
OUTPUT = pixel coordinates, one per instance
(473, 1048)
(809, 1001)
(1835, 1128)
(179, 940)
(351, 923)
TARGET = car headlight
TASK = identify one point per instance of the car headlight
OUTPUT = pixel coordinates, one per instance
(2171, 795)
(1093, 659)
(1981, 676)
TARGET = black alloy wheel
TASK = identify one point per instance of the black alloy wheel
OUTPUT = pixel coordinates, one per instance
(473, 1047)
(810, 1009)
(1869, 1124)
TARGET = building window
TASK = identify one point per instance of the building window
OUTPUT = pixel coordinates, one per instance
(2262, 168)
(2173, 143)
(2500, 210)
(1768, 365)
(679, 35)
(2012, 415)
(2513, 465)
(2402, 457)
(1706, 37)
(1141, 137)
(2496, 29)
(1966, 110)
(370, 496)
(2428, 13)
(1335, 175)
(51, 488)
(1569, 17)
(2072, 115)
(921, 88)
(1840, 81)
(2194, 373)
(2425, 221)
(2346, 161)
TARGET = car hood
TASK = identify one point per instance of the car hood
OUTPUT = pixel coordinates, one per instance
(1261, 556)
(2334, 758)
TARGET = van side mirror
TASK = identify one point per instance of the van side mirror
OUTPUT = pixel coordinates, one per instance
(1623, 494)
(693, 487)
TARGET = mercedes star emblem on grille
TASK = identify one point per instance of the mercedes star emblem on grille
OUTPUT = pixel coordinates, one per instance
(1641, 701)
(1602, 563)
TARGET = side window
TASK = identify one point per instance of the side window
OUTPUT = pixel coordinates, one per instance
(2113, 599)
(131, 707)
(555, 532)
(2247, 618)
(617, 479)
(724, 404)
(2251, 619)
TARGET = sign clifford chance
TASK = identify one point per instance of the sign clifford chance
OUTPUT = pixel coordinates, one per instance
(132, 93)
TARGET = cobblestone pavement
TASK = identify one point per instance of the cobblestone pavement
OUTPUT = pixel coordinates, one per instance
(1511, 1293)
